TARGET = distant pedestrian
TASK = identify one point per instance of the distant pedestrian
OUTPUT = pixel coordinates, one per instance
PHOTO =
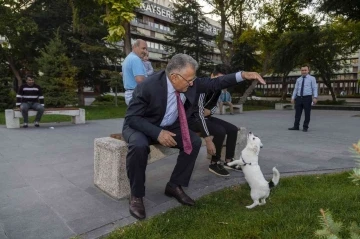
(148, 67)
(30, 96)
(305, 94)
(133, 68)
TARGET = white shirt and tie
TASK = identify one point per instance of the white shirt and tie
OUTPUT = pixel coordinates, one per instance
(171, 113)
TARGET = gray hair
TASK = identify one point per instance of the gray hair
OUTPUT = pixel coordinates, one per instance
(179, 62)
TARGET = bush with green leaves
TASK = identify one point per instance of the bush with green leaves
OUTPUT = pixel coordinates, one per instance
(7, 95)
(107, 100)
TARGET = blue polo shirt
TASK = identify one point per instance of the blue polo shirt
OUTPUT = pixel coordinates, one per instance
(131, 67)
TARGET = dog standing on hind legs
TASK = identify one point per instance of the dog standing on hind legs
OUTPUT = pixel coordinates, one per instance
(249, 163)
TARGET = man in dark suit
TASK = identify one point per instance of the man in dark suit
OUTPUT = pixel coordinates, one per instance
(156, 115)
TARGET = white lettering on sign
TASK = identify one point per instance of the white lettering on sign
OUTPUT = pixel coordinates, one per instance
(158, 10)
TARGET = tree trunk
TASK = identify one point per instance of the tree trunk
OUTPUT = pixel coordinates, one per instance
(15, 71)
(81, 98)
(220, 42)
(127, 38)
(254, 83)
(284, 88)
(328, 85)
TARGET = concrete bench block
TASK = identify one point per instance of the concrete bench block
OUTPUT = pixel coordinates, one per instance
(12, 117)
(238, 109)
(110, 162)
(284, 106)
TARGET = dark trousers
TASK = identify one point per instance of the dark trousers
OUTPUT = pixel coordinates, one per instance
(137, 157)
(219, 129)
(302, 103)
(25, 107)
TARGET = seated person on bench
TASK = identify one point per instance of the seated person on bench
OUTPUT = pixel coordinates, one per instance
(225, 99)
(30, 97)
(214, 129)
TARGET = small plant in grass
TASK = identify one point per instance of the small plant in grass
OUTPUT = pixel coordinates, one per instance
(330, 228)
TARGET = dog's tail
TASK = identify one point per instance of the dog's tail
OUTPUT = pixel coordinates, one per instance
(276, 177)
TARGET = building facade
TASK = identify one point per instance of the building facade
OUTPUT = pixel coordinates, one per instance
(152, 23)
(345, 80)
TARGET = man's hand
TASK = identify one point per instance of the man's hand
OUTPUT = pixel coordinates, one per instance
(207, 112)
(253, 76)
(292, 101)
(314, 101)
(166, 138)
(210, 145)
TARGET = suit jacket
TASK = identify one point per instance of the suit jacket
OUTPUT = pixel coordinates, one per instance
(148, 105)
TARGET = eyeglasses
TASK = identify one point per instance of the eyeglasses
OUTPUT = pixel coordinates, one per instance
(187, 81)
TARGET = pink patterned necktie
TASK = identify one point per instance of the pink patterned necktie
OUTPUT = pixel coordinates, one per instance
(185, 135)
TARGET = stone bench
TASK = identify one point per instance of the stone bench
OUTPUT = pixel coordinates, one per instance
(284, 106)
(238, 109)
(12, 117)
(110, 162)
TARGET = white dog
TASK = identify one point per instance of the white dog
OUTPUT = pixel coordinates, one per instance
(260, 188)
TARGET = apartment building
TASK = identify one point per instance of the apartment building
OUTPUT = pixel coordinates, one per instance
(152, 24)
(345, 80)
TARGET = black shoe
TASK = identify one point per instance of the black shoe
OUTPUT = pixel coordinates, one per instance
(293, 128)
(179, 194)
(305, 130)
(25, 125)
(136, 208)
(37, 124)
(234, 167)
(218, 169)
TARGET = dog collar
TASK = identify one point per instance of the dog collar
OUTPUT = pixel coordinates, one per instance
(245, 163)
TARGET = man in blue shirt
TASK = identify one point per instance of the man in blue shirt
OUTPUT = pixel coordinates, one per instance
(225, 99)
(133, 68)
(305, 94)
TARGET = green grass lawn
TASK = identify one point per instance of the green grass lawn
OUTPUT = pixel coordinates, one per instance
(292, 211)
(102, 112)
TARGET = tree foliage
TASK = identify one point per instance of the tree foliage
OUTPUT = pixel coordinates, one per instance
(189, 36)
(350, 9)
(58, 75)
(118, 13)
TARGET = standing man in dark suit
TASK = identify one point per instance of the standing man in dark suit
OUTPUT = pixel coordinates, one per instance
(305, 94)
(158, 113)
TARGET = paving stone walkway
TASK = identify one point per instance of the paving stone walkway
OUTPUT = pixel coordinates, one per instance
(46, 175)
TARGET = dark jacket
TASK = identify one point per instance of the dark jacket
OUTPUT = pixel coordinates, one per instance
(148, 105)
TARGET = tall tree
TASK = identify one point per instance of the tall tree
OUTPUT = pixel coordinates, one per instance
(283, 17)
(235, 15)
(188, 34)
(58, 75)
(328, 50)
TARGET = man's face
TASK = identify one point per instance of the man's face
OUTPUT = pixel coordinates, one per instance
(182, 80)
(141, 50)
(304, 71)
(30, 81)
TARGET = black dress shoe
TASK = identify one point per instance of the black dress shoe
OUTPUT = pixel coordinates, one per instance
(293, 128)
(179, 194)
(304, 130)
(136, 208)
